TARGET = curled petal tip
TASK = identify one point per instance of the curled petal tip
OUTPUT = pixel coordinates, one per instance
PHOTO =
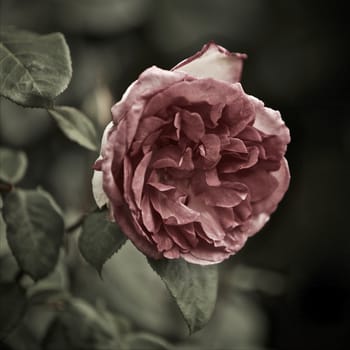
(214, 61)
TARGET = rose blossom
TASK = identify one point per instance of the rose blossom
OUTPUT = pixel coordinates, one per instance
(191, 165)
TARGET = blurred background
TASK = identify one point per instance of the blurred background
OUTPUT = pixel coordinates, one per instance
(289, 288)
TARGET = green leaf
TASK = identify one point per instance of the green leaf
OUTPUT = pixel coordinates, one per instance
(34, 230)
(76, 126)
(12, 306)
(194, 288)
(145, 341)
(99, 239)
(34, 68)
(13, 165)
(81, 326)
(52, 287)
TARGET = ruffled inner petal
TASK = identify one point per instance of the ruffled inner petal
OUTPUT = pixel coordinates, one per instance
(209, 151)
(168, 156)
(147, 127)
(227, 218)
(212, 178)
(250, 134)
(138, 179)
(223, 197)
(150, 218)
(236, 145)
(260, 182)
(173, 212)
(192, 125)
(163, 241)
(238, 115)
(208, 219)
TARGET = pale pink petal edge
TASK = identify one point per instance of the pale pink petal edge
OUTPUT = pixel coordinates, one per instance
(214, 61)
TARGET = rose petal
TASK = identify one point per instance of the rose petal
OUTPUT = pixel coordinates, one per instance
(198, 261)
(210, 150)
(250, 134)
(186, 162)
(256, 223)
(214, 61)
(235, 241)
(113, 154)
(227, 218)
(260, 182)
(155, 182)
(274, 147)
(212, 178)
(204, 254)
(189, 232)
(105, 134)
(172, 253)
(176, 234)
(282, 178)
(134, 232)
(149, 217)
(269, 121)
(138, 179)
(146, 127)
(129, 199)
(208, 219)
(150, 140)
(243, 211)
(216, 113)
(238, 114)
(236, 145)
(223, 197)
(192, 125)
(100, 196)
(172, 212)
(168, 156)
(253, 157)
(164, 242)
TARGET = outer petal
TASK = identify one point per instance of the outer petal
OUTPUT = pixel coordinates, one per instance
(282, 177)
(139, 178)
(97, 189)
(265, 208)
(204, 254)
(214, 61)
(269, 121)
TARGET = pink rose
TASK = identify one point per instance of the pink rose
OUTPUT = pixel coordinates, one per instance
(191, 165)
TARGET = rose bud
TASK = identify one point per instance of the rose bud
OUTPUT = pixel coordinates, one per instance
(191, 165)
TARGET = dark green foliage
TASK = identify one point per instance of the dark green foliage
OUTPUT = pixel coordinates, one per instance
(34, 230)
(99, 239)
(193, 287)
(12, 306)
(34, 69)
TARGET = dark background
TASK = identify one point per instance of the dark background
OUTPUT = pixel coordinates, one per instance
(289, 288)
